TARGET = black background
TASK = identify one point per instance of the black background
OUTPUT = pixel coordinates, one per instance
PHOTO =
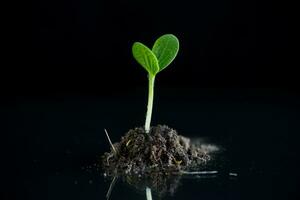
(84, 47)
(70, 73)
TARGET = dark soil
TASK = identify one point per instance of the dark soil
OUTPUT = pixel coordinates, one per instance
(162, 150)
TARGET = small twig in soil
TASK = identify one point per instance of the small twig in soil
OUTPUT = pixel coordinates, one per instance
(112, 146)
(148, 193)
(111, 186)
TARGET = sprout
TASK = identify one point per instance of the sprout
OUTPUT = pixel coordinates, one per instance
(162, 54)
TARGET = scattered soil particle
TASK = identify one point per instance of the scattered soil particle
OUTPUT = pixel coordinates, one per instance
(161, 150)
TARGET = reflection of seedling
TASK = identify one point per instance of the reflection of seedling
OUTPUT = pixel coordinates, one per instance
(162, 54)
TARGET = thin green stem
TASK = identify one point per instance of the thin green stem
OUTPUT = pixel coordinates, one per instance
(150, 102)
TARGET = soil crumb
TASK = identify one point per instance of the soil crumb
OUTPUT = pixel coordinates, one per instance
(161, 150)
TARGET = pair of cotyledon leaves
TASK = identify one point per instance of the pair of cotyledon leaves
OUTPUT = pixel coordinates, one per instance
(162, 54)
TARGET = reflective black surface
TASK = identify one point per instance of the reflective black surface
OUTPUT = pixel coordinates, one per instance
(54, 143)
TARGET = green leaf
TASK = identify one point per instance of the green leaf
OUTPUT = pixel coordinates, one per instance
(165, 49)
(145, 57)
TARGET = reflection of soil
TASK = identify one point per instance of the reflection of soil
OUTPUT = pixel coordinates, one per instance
(162, 151)
(160, 185)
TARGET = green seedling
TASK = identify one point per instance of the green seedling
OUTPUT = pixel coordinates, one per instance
(154, 61)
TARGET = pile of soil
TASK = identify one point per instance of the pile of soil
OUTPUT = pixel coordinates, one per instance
(161, 150)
